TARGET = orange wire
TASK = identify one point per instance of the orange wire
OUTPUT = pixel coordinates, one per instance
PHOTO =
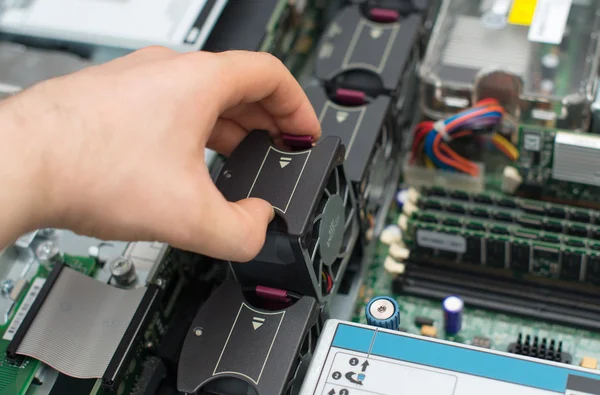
(450, 162)
(453, 155)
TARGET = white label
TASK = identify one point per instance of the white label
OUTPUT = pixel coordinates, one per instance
(543, 115)
(580, 140)
(34, 290)
(501, 7)
(532, 142)
(441, 241)
(549, 21)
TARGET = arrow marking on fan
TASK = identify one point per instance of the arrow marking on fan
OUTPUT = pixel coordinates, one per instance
(376, 33)
(341, 116)
(257, 322)
(284, 161)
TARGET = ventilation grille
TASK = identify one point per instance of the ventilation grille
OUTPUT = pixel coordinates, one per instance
(577, 158)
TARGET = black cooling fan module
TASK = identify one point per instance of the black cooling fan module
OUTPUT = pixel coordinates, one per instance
(315, 229)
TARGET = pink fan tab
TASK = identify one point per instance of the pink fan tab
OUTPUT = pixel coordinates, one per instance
(350, 97)
(275, 294)
(298, 142)
(383, 15)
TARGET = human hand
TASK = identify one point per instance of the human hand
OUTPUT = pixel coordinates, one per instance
(117, 151)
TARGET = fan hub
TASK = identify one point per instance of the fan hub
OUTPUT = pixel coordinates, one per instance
(331, 230)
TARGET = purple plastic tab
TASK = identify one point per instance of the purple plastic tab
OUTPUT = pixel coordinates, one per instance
(350, 97)
(298, 142)
(383, 15)
(278, 295)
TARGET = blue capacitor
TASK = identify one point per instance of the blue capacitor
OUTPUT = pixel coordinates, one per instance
(453, 311)
(401, 197)
(383, 312)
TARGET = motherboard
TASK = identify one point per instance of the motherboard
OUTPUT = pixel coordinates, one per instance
(441, 237)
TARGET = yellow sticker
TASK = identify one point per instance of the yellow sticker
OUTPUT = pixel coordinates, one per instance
(521, 12)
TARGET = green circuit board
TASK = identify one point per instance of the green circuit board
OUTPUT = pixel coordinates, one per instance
(16, 380)
(500, 329)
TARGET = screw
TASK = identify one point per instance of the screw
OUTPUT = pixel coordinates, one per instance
(48, 253)
(227, 174)
(7, 287)
(123, 270)
(198, 331)
(48, 233)
(160, 282)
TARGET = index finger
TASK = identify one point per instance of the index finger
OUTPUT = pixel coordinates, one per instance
(255, 77)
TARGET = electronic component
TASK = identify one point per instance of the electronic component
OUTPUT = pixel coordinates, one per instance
(383, 312)
(401, 197)
(589, 363)
(153, 372)
(419, 176)
(399, 252)
(367, 129)
(247, 347)
(477, 51)
(62, 303)
(122, 270)
(393, 267)
(435, 144)
(548, 349)
(480, 341)
(391, 234)
(133, 25)
(429, 331)
(471, 244)
(309, 243)
(420, 321)
(372, 51)
(357, 357)
(561, 165)
(453, 310)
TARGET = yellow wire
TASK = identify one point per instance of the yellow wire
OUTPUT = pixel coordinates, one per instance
(501, 140)
(428, 163)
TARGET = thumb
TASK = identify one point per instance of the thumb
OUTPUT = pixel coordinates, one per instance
(238, 230)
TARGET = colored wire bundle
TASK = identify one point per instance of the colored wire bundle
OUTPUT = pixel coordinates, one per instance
(431, 139)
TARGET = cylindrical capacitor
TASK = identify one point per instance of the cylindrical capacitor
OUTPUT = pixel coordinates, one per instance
(383, 312)
(453, 311)
(48, 253)
(122, 270)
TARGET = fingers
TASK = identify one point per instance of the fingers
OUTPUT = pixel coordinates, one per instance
(249, 77)
(252, 116)
(234, 231)
(226, 135)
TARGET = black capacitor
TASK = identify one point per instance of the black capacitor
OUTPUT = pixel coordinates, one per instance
(420, 321)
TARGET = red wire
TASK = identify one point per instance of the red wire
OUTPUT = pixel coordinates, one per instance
(424, 128)
(420, 132)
